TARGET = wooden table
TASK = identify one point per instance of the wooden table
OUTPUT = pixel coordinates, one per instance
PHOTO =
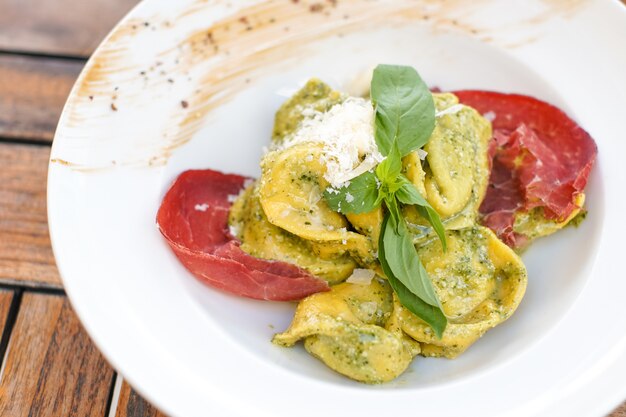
(50, 366)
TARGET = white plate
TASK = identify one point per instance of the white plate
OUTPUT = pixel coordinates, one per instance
(159, 97)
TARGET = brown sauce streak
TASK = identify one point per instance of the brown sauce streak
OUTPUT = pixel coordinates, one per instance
(262, 38)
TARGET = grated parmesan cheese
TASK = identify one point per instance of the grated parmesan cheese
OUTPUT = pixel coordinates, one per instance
(347, 132)
(450, 110)
(369, 308)
(491, 116)
(234, 230)
(361, 276)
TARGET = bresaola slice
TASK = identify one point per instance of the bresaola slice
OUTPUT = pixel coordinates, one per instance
(193, 217)
(541, 158)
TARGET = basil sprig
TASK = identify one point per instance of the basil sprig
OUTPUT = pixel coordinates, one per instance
(360, 196)
(431, 314)
(405, 110)
(405, 119)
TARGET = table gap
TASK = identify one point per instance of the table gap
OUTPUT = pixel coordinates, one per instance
(44, 55)
(37, 290)
(8, 326)
(25, 141)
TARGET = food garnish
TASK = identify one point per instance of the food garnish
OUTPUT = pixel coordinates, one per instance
(405, 119)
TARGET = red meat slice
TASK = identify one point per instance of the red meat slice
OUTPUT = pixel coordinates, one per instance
(193, 217)
(541, 158)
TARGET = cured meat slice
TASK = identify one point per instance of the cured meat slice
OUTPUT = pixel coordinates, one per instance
(193, 218)
(541, 158)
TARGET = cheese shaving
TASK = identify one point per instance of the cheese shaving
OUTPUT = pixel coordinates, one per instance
(347, 132)
(361, 276)
(450, 110)
(491, 116)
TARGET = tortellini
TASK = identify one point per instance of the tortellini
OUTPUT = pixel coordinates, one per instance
(290, 190)
(455, 173)
(315, 95)
(533, 224)
(262, 239)
(353, 330)
(480, 282)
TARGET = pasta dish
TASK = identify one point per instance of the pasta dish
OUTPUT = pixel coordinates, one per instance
(394, 219)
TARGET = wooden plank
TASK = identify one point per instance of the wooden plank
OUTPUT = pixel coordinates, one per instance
(25, 253)
(61, 27)
(5, 304)
(131, 404)
(52, 368)
(32, 94)
(620, 411)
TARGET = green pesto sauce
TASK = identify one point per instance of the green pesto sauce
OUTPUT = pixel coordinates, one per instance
(578, 219)
(360, 331)
(464, 135)
(534, 224)
(463, 276)
(347, 328)
(263, 240)
(315, 95)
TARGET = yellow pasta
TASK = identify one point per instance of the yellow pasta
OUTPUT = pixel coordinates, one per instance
(455, 174)
(480, 282)
(315, 95)
(290, 192)
(353, 330)
(533, 224)
(361, 330)
(262, 239)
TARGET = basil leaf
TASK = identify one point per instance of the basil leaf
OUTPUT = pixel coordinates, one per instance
(405, 264)
(388, 170)
(408, 194)
(394, 211)
(360, 196)
(433, 218)
(432, 315)
(405, 110)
